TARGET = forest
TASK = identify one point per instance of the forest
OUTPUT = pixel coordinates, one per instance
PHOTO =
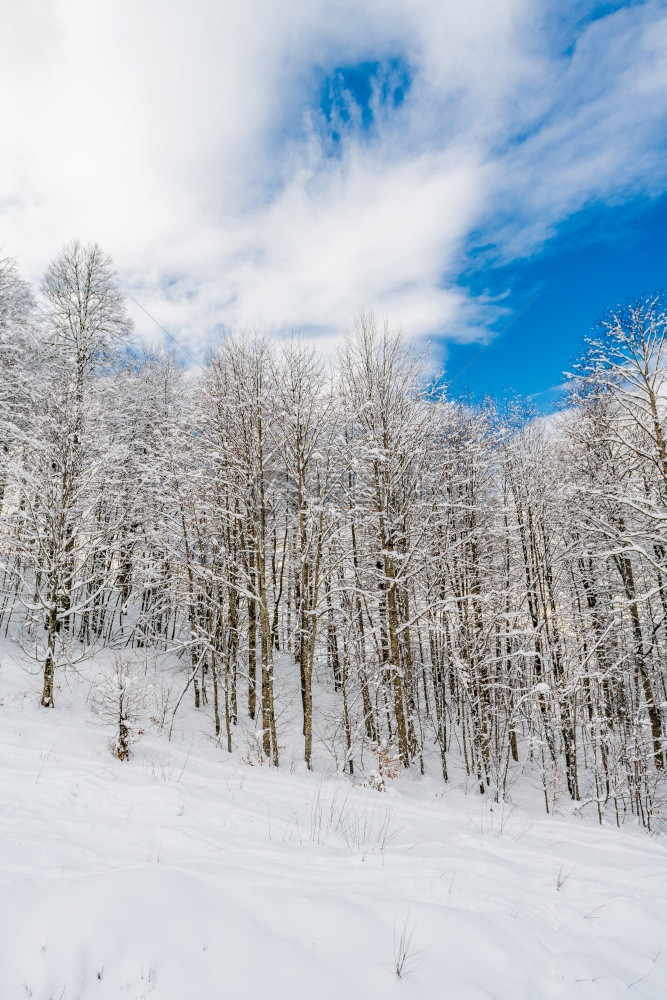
(459, 589)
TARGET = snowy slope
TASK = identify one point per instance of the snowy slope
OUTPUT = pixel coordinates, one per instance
(185, 873)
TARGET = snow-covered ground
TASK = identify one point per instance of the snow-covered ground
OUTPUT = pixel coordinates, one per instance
(186, 874)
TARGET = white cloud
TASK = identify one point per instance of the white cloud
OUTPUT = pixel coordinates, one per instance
(186, 139)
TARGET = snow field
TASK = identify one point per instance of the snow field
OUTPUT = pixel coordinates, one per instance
(184, 873)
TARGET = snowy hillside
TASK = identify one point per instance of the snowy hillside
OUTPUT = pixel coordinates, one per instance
(186, 873)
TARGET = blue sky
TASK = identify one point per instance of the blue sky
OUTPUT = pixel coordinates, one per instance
(461, 169)
(357, 95)
(600, 257)
(603, 257)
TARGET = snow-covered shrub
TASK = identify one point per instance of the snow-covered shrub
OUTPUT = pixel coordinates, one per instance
(119, 700)
(388, 766)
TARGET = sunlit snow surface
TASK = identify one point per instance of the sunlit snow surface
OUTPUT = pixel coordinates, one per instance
(186, 874)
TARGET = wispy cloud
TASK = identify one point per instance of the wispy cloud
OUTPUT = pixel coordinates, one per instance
(286, 165)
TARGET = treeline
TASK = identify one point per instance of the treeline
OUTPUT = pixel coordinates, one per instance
(451, 583)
